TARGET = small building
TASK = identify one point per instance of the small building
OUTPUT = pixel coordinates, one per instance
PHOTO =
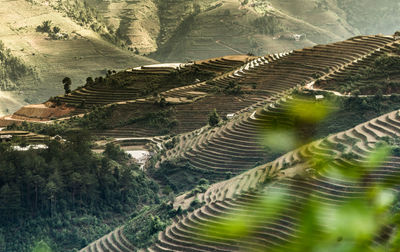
(230, 116)
(319, 97)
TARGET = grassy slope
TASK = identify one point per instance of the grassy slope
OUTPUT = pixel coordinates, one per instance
(84, 54)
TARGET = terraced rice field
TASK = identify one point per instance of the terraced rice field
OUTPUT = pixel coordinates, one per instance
(27, 137)
(268, 76)
(185, 233)
(102, 95)
(140, 80)
(235, 148)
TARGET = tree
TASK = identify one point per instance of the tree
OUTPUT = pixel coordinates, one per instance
(89, 81)
(45, 27)
(56, 29)
(67, 85)
(114, 152)
(41, 246)
(213, 118)
(10, 199)
(2, 242)
(82, 104)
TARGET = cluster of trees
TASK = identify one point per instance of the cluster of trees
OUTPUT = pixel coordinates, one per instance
(268, 25)
(142, 229)
(178, 175)
(12, 69)
(41, 186)
(53, 32)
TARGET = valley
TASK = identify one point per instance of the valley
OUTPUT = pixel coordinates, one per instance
(199, 125)
(202, 163)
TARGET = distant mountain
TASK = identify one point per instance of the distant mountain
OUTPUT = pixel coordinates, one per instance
(192, 29)
(105, 35)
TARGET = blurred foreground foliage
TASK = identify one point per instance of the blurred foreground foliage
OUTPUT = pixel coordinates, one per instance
(368, 222)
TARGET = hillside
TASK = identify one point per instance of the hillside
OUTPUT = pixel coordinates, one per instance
(106, 35)
(190, 30)
(296, 173)
(291, 174)
(378, 75)
(84, 53)
(371, 17)
(164, 110)
(257, 27)
(234, 147)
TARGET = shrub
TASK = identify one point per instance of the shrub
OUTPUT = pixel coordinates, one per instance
(56, 29)
(171, 143)
(89, 81)
(44, 27)
(213, 118)
(233, 88)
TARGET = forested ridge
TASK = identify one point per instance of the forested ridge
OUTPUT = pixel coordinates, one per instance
(66, 194)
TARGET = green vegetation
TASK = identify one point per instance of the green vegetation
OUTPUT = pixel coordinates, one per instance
(41, 247)
(54, 33)
(213, 118)
(379, 77)
(268, 25)
(200, 188)
(355, 110)
(178, 175)
(12, 69)
(100, 118)
(44, 27)
(143, 228)
(367, 222)
(67, 85)
(233, 88)
(153, 82)
(70, 189)
(162, 120)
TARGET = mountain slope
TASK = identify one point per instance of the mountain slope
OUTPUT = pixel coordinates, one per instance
(180, 30)
(290, 174)
(85, 53)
